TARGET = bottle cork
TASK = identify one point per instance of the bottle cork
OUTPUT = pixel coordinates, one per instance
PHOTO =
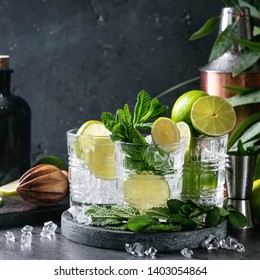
(4, 62)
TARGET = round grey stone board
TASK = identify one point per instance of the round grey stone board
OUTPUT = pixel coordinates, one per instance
(113, 239)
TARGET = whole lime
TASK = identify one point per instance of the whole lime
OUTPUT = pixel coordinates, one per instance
(182, 107)
(255, 200)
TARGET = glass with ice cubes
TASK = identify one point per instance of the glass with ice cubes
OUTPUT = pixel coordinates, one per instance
(148, 175)
(204, 170)
(91, 169)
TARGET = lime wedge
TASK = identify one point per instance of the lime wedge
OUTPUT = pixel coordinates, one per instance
(213, 116)
(1, 201)
(144, 191)
(98, 149)
(165, 134)
(9, 189)
(53, 160)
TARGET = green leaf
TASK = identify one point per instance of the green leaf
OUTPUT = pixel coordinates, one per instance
(163, 228)
(140, 222)
(223, 212)
(253, 9)
(158, 212)
(239, 90)
(243, 99)
(256, 31)
(246, 60)
(254, 46)
(175, 205)
(213, 217)
(184, 221)
(142, 106)
(237, 219)
(244, 126)
(206, 29)
(222, 43)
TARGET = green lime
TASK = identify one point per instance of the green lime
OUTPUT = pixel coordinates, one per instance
(255, 200)
(165, 134)
(182, 107)
(9, 189)
(144, 191)
(213, 116)
(52, 160)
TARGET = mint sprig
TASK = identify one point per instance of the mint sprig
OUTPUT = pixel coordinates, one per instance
(177, 216)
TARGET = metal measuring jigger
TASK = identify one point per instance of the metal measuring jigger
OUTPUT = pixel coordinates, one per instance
(239, 180)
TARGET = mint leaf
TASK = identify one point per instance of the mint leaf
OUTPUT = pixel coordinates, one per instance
(142, 106)
(158, 212)
(184, 221)
(237, 219)
(213, 217)
(175, 205)
(140, 222)
(164, 228)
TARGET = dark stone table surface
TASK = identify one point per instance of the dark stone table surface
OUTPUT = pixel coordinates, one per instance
(60, 248)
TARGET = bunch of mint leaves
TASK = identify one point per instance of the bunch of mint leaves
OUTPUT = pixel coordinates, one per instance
(177, 216)
(128, 128)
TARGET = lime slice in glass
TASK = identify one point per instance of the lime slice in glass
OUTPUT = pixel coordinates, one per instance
(213, 116)
(144, 191)
(9, 189)
(97, 149)
(165, 134)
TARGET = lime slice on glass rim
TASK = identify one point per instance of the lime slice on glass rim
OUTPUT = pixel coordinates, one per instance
(213, 116)
(97, 149)
(186, 134)
(165, 134)
(144, 191)
(9, 189)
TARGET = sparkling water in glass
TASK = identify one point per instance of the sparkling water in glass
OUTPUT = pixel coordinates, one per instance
(204, 170)
(147, 176)
(91, 170)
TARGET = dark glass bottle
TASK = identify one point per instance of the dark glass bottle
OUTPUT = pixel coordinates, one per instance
(15, 129)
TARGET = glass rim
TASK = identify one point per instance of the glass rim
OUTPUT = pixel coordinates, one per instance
(73, 132)
(181, 142)
(206, 137)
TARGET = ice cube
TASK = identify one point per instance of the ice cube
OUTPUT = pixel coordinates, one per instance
(27, 229)
(187, 253)
(135, 249)
(78, 214)
(240, 248)
(26, 238)
(151, 252)
(211, 243)
(48, 229)
(9, 236)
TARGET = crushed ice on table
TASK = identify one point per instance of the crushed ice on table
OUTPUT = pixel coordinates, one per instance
(211, 243)
(26, 238)
(136, 249)
(78, 214)
(231, 243)
(48, 229)
(187, 253)
(151, 252)
(9, 236)
(27, 229)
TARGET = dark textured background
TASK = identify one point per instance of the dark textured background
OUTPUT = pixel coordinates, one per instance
(74, 59)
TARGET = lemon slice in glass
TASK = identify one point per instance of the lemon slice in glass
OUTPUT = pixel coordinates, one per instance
(165, 134)
(98, 149)
(144, 191)
(9, 189)
(213, 116)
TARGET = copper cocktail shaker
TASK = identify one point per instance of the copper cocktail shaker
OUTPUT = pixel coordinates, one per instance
(217, 74)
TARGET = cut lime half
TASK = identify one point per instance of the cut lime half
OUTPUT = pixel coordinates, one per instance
(165, 134)
(144, 191)
(9, 189)
(213, 116)
(98, 149)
